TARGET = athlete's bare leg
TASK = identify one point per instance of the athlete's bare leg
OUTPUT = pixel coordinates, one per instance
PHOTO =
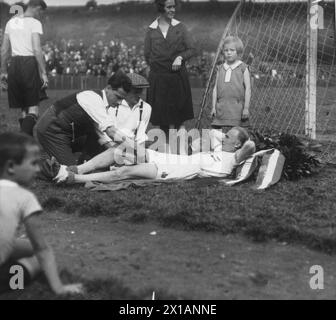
(100, 161)
(143, 170)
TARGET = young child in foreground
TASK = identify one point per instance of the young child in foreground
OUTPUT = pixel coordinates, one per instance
(19, 164)
(232, 91)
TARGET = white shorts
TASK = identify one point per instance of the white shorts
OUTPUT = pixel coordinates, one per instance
(210, 164)
(174, 166)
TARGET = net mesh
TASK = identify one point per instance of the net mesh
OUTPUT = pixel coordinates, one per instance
(275, 48)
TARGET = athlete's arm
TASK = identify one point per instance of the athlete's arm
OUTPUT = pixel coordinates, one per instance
(245, 151)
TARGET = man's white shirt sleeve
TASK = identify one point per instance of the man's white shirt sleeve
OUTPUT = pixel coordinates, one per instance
(94, 106)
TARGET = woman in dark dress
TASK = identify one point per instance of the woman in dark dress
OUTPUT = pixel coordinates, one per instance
(168, 46)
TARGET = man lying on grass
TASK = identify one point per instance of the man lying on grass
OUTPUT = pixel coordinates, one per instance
(236, 147)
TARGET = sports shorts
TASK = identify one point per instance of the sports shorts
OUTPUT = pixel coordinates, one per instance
(174, 166)
(210, 164)
(24, 83)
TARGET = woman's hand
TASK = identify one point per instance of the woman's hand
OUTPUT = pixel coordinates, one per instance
(177, 63)
(45, 81)
(4, 80)
(147, 71)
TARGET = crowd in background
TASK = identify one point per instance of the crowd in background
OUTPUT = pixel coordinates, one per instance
(74, 57)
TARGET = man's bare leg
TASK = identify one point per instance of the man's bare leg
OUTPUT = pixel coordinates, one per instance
(102, 160)
(143, 170)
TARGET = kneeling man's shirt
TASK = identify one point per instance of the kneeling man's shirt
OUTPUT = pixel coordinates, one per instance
(123, 117)
(97, 108)
(132, 121)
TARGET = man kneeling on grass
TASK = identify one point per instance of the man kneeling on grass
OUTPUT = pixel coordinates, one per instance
(236, 147)
(19, 163)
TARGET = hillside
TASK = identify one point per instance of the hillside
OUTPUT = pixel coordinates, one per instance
(129, 21)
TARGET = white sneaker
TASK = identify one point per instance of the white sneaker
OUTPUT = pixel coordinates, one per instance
(62, 174)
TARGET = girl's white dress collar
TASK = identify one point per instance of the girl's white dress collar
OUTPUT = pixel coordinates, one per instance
(228, 68)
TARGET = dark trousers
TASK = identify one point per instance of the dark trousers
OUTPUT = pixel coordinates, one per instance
(57, 139)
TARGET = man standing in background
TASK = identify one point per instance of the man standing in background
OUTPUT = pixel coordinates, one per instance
(26, 74)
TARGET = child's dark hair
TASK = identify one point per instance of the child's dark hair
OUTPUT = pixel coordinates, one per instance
(13, 146)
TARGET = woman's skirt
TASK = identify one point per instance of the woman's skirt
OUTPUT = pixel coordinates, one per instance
(169, 95)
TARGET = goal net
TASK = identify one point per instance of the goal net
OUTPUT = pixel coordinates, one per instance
(276, 43)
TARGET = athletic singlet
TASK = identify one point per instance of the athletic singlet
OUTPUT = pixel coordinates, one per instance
(217, 164)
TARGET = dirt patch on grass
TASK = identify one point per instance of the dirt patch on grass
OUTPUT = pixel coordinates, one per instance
(120, 260)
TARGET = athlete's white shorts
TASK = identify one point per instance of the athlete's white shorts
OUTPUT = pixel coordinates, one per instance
(173, 166)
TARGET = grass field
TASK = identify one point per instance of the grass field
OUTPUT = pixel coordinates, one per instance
(299, 215)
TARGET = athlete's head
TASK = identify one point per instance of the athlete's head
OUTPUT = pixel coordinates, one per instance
(36, 7)
(37, 3)
(234, 139)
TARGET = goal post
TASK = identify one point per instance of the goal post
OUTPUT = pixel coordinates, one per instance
(313, 23)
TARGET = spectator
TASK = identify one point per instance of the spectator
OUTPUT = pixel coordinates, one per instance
(26, 73)
(104, 58)
(168, 45)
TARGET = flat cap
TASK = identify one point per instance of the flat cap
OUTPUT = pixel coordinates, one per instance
(138, 81)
